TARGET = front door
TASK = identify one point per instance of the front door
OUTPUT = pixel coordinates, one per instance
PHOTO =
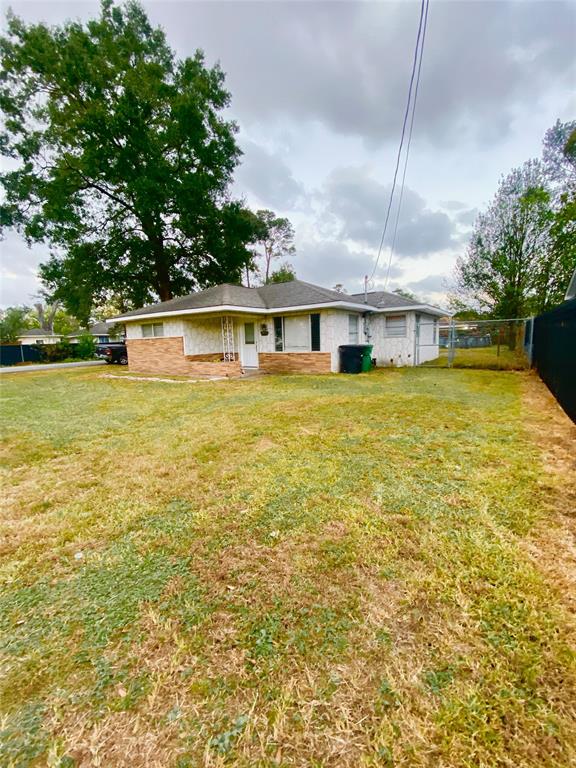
(249, 351)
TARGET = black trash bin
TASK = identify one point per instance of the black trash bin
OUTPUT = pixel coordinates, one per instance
(353, 357)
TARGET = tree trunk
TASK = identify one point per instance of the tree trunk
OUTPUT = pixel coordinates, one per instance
(163, 283)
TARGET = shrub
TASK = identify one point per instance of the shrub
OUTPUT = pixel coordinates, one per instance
(55, 353)
(85, 349)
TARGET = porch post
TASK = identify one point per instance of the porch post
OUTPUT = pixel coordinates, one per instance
(228, 338)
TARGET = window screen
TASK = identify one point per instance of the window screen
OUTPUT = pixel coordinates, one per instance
(297, 334)
(315, 332)
(395, 325)
(152, 329)
(353, 329)
(278, 334)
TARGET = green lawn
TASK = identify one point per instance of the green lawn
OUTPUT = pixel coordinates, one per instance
(298, 571)
(492, 358)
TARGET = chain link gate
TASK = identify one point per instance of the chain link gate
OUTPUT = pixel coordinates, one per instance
(491, 344)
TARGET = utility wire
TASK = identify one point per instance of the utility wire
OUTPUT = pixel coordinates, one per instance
(405, 121)
(407, 146)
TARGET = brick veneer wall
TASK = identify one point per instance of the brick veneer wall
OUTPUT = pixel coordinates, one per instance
(295, 362)
(166, 355)
(209, 357)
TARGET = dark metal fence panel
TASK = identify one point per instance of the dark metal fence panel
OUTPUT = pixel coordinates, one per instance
(554, 353)
(12, 354)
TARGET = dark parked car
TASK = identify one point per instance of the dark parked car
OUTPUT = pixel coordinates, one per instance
(113, 352)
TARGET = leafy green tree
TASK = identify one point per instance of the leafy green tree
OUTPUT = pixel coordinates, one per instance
(124, 161)
(511, 269)
(404, 293)
(284, 274)
(275, 241)
(13, 321)
(64, 323)
(559, 155)
(463, 311)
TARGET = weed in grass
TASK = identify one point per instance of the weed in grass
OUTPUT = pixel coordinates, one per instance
(387, 696)
(438, 679)
(223, 742)
(23, 738)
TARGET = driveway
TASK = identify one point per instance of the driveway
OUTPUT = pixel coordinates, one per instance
(49, 366)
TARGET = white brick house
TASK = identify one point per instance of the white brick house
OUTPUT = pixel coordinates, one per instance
(284, 327)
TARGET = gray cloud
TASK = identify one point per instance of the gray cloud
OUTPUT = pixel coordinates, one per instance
(347, 64)
(430, 284)
(358, 204)
(452, 205)
(467, 218)
(18, 270)
(268, 178)
(331, 262)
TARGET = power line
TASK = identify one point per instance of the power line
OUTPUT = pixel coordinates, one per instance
(407, 147)
(406, 113)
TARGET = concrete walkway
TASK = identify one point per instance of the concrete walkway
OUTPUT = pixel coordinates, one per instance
(49, 366)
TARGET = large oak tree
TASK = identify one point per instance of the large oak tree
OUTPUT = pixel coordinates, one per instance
(120, 159)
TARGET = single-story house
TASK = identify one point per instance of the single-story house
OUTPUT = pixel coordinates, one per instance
(38, 336)
(101, 332)
(292, 327)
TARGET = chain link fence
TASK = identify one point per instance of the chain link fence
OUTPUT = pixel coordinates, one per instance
(492, 344)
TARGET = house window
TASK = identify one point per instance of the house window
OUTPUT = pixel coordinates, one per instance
(278, 334)
(435, 333)
(315, 332)
(395, 325)
(152, 329)
(300, 333)
(297, 334)
(353, 329)
(39, 341)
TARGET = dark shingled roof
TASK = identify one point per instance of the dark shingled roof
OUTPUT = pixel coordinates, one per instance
(384, 300)
(292, 294)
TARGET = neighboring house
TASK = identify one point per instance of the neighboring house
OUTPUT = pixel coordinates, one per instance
(291, 327)
(102, 333)
(38, 336)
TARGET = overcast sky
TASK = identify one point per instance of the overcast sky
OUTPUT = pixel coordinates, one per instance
(319, 90)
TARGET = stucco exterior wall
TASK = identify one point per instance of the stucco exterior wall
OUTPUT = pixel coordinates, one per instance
(334, 331)
(202, 335)
(171, 328)
(398, 351)
(395, 350)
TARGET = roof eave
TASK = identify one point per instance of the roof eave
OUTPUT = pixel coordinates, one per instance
(227, 308)
(427, 308)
